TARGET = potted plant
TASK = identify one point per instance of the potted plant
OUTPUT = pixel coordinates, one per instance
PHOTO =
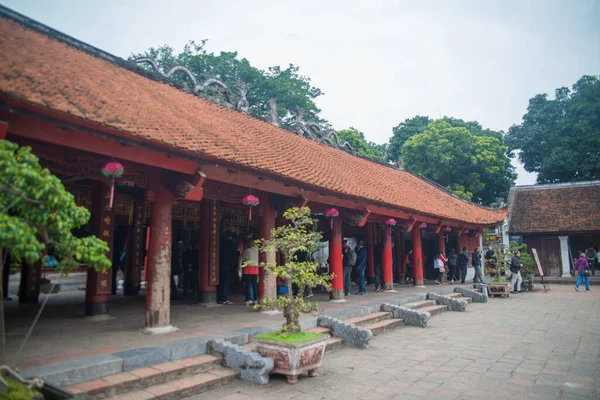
(293, 351)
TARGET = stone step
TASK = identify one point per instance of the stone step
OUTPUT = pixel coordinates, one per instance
(184, 387)
(384, 326)
(369, 318)
(142, 378)
(320, 330)
(334, 343)
(433, 310)
(419, 304)
(459, 297)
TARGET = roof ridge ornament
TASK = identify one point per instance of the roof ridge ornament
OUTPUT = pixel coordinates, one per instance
(314, 131)
(239, 102)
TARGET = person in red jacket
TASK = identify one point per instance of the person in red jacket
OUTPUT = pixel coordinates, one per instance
(439, 264)
(249, 265)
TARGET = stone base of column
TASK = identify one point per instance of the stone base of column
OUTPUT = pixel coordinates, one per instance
(207, 297)
(419, 284)
(158, 330)
(336, 295)
(96, 308)
(388, 286)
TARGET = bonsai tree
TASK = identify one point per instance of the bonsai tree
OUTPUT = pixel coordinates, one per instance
(293, 240)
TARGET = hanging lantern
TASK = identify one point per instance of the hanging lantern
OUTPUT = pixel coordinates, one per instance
(112, 170)
(250, 201)
(423, 225)
(448, 229)
(390, 222)
(332, 213)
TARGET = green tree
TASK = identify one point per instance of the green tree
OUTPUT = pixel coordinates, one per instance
(363, 147)
(475, 167)
(290, 240)
(560, 139)
(404, 131)
(37, 213)
(287, 86)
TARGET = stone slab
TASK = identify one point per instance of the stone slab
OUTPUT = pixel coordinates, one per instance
(186, 348)
(143, 357)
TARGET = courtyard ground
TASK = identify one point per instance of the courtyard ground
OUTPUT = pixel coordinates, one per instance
(532, 346)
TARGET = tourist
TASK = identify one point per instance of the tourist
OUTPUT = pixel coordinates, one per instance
(349, 259)
(476, 262)
(249, 265)
(361, 267)
(583, 269)
(408, 273)
(452, 264)
(590, 255)
(378, 267)
(464, 264)
(228, 259)
(438, 265)
(515, 269)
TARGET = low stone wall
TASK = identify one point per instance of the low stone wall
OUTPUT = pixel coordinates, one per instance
(452, 303)
(476, 296)
(252, 366)
(411, 317)
(354, 336)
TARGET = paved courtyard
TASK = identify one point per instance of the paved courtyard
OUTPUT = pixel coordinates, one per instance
(531, 346)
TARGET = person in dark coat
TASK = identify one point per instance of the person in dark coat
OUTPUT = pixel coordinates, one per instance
(476, 262)
(452, 265)
(377, 257)
(464, 264)
(228, 261)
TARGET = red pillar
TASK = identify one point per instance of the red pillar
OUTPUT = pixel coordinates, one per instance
(386, 259)
(102, 225)
(335, 260)
(208, 275)
(417, 256)
(370, 273)
(399, 240)
(158, 292)
(268, 284)
(441, 241)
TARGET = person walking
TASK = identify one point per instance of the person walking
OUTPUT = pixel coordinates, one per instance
(438, 264)
(590, 255)
(349, 259)
(249, 265)
(476, 262)
(408, 267)
(361, 267)
(515, 268)
(583, 269)
(228, 259)
(464, 264)
(452, 264)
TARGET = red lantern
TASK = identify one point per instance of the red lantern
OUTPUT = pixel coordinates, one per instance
(423, 225)
(332, 213)
(390, 222)
(250, 201)
(113, 170)
(448, 229)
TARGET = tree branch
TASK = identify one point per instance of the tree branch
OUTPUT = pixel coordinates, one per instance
(16, 192)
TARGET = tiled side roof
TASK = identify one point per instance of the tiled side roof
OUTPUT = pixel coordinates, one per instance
(48, 73)
(553, 210)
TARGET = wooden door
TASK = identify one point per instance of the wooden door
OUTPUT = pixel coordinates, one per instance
(551, 246)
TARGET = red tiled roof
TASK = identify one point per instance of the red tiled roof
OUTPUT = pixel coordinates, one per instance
(549, 209)
(46, 72)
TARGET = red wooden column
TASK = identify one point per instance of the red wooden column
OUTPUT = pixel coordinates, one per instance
(335, 260)
(399, 240)
(158, 292)
(208, 276)
(441, 241)
(417, 256)
(370, 273)
(102, 225)
(386, 259)
(268, 284)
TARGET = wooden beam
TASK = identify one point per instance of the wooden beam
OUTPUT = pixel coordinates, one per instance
(438, 229)
(196, 192)
(364, 218)
(411, 226)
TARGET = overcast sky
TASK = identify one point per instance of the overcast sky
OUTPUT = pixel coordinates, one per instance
(378, 62)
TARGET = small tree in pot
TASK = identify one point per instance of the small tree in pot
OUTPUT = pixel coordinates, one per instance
(295, 241)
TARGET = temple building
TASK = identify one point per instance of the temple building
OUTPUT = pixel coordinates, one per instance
(558, 220)
(189, 164)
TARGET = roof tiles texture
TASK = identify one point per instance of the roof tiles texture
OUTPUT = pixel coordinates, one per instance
(554, 210)
(51, 74)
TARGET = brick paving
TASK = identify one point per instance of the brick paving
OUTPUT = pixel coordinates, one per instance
(530, 346)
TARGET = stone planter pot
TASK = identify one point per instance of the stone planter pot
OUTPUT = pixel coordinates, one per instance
(499, 290)
(293, 359)
(527, 285)
(47, 288)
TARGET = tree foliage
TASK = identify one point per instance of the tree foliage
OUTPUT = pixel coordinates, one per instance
(404, 131)
(474, 166)
(363, 147)
(560, 139)
(291, 240)
(287, 86)
(37, 214)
